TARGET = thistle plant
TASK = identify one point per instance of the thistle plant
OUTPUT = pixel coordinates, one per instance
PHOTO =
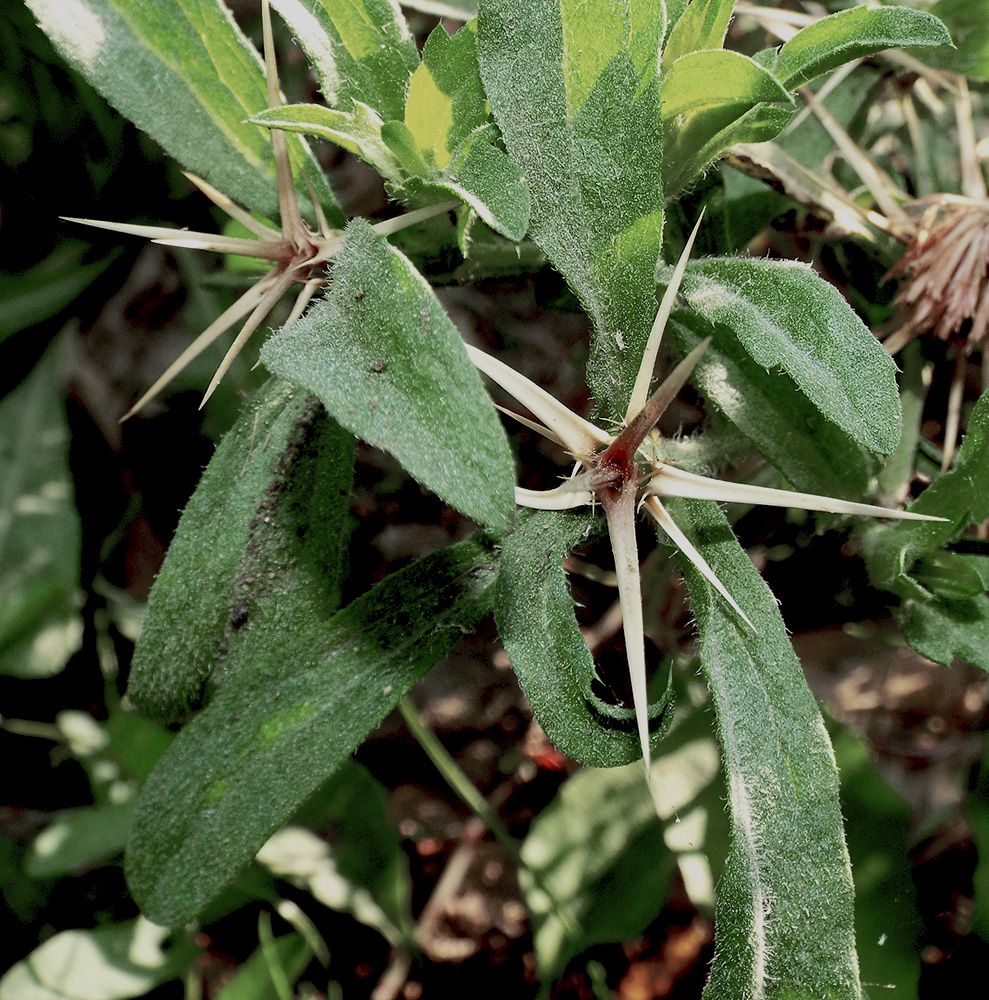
(577, 132)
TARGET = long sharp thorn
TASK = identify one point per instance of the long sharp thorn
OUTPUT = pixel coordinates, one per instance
(234, 210)
(272, 295)
(640, 391)
(308, 290)
(620, 513)
(563, 497)
(672, 482)
(244, 305)
(531, 424)
(413, 218)
(580, 437)
(293, 227)
(684, 544)
(632, 436)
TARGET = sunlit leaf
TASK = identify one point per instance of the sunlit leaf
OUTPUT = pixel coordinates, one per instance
(575, 91)
(362, 50)
(850, 34)
(40, 626)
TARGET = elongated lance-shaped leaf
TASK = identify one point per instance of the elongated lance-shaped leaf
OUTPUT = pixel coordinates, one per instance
(362, 50)
(784, 314)
(382, 355)
(317, 686)
(259, 542)
(574, 86)
(785, 906)
(850, 34)
(184, 73)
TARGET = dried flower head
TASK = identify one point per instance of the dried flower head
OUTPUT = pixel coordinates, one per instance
(945, 272)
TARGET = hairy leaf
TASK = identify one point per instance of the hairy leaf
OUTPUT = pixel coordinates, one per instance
(702, 25)
(766, 406)
(362, 50)
(535, 616)
(784, 314)
(316, 688)
(706, 95)
(575, 91)
(784, 919)
(266, 521)
(384, 358)
(850, 34)
(182, 71)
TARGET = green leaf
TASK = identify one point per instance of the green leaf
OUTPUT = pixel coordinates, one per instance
(384, 358)
(946, 628)
(784, 314)
(852, 34)
(784, 918)
(704, 95)
(969, 27)
(182, 71)
(596, 868)
(40, 597)
(575, 91)
(961, 496)
(888, 926)
(535, 616)
(766, 406)
(83, 838)
(446, 99)
(253, 979)
(362, 50)
(359, 131)
(43, 291)
(265, 744)
(265, 522)
(703, 25)
(114, 962)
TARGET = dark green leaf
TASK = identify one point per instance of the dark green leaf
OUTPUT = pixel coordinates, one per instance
(44, 290)
(40, 597)
(361, 50)
(384, 358)
(253, 979)
(574, 87)
(265, 523)
(182, 71)
(766, 406)
(314, 691)
(784, 919)
(852, 34)
(888, 925)
(944, 629)
(785, 314)
(535, 616)
(961, 496)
